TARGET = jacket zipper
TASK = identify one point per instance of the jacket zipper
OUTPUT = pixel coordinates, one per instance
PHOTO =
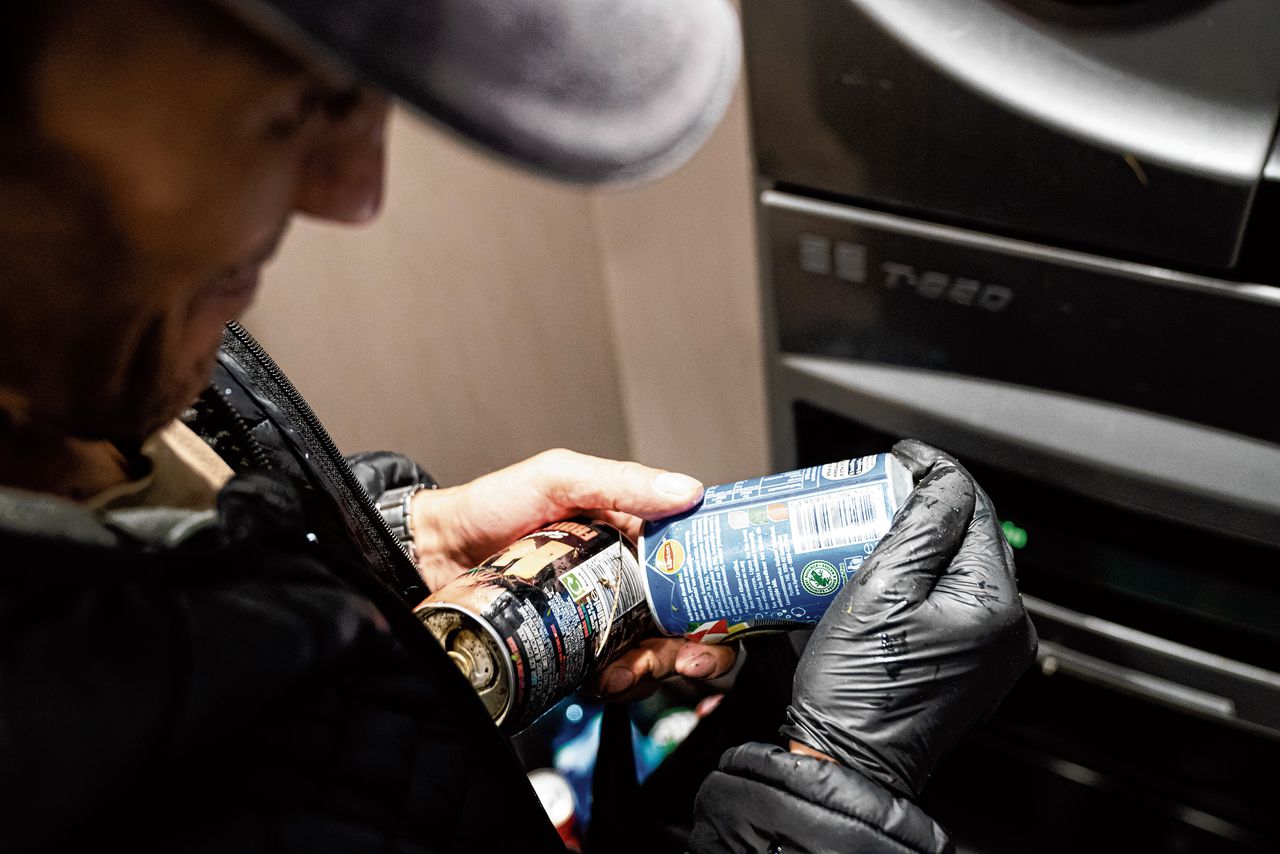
(392, 592)
(259, 458)
(398, 565)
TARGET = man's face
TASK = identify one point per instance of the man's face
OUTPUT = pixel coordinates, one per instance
(170, 151)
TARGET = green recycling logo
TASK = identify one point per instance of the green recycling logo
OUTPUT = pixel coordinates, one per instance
(820, 578)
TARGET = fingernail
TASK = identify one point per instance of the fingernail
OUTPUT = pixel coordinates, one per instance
(676, 484)
(700, 666)
(619, 680)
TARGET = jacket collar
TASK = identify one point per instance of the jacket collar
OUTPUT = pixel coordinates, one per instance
(34, 514)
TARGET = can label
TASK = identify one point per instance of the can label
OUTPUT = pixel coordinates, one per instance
(771, 553)
(556, 606)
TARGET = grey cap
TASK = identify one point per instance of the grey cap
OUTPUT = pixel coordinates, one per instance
(592, 91)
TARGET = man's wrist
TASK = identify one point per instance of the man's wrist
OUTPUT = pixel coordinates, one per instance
(437, 560)
(806, 750)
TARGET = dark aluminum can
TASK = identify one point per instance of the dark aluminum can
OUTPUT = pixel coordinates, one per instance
(533, 622)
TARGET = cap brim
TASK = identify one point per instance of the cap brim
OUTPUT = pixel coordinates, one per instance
(590, 91)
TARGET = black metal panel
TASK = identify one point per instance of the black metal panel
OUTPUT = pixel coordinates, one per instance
(854, 284)
(951, 241)
(843, 108)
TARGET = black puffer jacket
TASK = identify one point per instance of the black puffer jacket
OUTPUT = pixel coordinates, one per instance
(252, 686)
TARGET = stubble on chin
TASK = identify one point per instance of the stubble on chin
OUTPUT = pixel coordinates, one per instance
(94, 343)
(161, 381)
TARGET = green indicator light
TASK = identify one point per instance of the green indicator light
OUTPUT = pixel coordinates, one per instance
(1016, 536)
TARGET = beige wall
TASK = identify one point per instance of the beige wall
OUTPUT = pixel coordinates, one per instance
(466, 327)
(489, 314)
(679, 264)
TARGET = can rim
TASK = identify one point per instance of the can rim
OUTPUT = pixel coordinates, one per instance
(509, 669)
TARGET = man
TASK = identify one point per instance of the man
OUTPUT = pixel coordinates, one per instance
(195, 653)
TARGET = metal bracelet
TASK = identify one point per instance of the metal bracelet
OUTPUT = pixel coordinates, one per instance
(395, 507)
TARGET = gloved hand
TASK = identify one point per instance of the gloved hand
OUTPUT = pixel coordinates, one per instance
(923, 642)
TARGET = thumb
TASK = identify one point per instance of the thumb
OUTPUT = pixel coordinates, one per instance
(571, 481)
(926, 534)
(918, 457)
(491, 511)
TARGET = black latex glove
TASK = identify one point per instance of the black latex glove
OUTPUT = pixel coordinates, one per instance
(923, 642)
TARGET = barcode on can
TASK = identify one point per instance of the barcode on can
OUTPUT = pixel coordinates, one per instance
(630, 588)
(838, 519)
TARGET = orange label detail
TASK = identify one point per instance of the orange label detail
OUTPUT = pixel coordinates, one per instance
(669, 557)
(584, 532)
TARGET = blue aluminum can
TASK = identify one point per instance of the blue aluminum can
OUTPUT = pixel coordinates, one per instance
(768, 554)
